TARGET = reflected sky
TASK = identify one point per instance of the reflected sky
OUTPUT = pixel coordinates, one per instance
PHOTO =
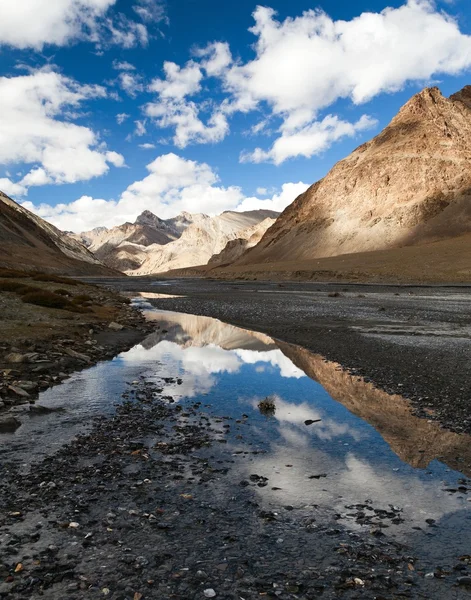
(368, 445)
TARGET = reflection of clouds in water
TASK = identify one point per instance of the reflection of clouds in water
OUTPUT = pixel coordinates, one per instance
(275, 358)
(200, 364)
(291, 418)
(350, 480)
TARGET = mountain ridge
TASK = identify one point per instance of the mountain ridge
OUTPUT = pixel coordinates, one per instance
(408, 185)
(28, 242)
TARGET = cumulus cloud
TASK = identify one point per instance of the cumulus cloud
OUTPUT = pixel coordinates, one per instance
(12, 189)
(305, 64)
(147, 146)
(302, 66)
(216, 58)
(35, 23)
(278, 202)
(309, 140)
(172, 108)
(33, 130)
(173, 184)
(189, 127)
(130, 83)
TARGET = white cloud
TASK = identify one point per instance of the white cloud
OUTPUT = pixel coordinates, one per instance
(217, 57)
(179, 81)
(36, 176)
(140, 128)
(151, 11)
(305, 64)
(121, 117)
(309, 140)
(189, 128)
(278, 202)
(173, 184)
(36, 23)
(173, 110)
(130, 83)
(123, 66)
(8, 187)
(32, 131)
(147, 146)
(115, 159)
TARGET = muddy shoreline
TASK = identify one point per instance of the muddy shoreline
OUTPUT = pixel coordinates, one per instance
(414, 341)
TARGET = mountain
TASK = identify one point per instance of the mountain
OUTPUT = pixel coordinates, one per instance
(248, 239)
(409, 185)
(123, 247)
(28, 242)
(204, 238)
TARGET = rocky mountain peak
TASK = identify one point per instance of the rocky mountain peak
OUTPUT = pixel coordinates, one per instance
(148, 218)
(409, 185)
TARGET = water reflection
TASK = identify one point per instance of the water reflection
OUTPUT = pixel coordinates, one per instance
(333, 440)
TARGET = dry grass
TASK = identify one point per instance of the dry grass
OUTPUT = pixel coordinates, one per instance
(46, 277)
(46, 299)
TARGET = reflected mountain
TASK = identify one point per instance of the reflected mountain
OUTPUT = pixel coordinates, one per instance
(190, 330)
(415, 440)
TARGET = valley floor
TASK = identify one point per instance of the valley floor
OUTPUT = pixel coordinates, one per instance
(409, 340)
(147, 504)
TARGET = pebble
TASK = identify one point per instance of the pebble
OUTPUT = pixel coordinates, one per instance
(209, 593)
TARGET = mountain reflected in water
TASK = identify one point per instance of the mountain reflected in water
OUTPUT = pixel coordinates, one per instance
(333, 440)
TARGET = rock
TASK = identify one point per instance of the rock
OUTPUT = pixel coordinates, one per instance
(27, 386)
(16, 358)
(77, 355)
(464, 581)
(209, 593)
(19, 391)
(115, 326)
(9, 424)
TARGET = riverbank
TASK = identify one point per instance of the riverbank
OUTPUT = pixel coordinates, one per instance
(182, 489)
(41, 346)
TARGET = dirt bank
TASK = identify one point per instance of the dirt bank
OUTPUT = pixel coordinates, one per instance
(41, 346)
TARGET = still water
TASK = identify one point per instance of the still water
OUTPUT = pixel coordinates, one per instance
(363, 446)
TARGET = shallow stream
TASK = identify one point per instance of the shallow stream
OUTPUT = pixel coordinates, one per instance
(333, 440)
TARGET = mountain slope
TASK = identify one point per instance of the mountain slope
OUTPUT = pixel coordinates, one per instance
(409, 185)
(204, 238)
(122, 247)
(236, 248)
(29, 242)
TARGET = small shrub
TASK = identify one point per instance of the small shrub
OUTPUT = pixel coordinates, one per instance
(82, 298)
(28, 289)
(267, 406)
(47, 299)
(62, 292)
(49, 277)
(335, 295)
(78, 309)
(10, 286)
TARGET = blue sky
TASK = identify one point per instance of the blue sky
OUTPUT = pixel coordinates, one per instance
(110, 107)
